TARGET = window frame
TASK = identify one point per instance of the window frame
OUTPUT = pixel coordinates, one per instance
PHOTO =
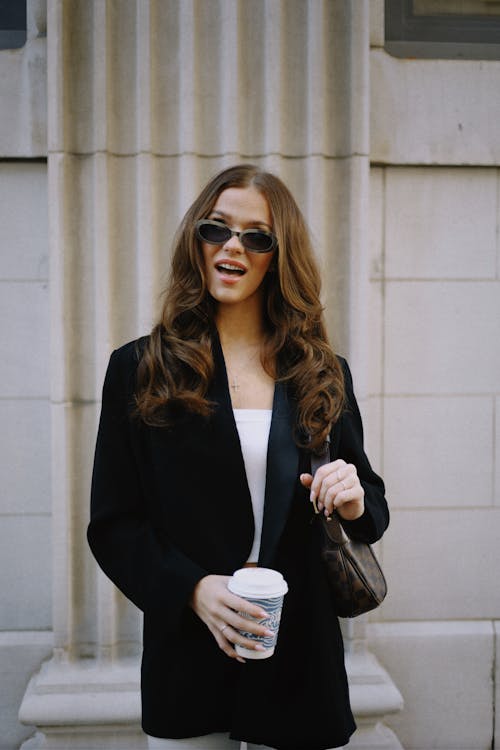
(12, 14)
(446, 36)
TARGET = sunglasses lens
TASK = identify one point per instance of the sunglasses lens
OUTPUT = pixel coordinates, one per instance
(214, 234)
(257, 242)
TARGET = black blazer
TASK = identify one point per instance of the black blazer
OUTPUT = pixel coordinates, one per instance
(170, 506)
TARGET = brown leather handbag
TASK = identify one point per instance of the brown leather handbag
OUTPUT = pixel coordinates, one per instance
(355, 578)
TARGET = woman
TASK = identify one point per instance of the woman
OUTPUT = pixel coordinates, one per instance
(202, 466)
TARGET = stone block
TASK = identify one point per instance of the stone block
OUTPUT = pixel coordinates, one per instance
(442, 564)
(373, 697)
(195, 83)
(85, 705)
(376, 239)
(376, 23)
(24, 339)
(79, 119)
(74, 432)
(25, 456)
(23, 218)
(25, 572)
(89, 737)
(376, 286)
(371, 412)
(375, 337)
(444, 671)
(128, 110)
(438, 450)
(21, 654)
(440, 223)
(496, 457)
(434, 111)
(496, 739)
(79, 295)
(498, 213)
(23, 100)
(442, 337)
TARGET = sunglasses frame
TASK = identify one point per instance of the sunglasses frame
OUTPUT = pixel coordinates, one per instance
(234, 233)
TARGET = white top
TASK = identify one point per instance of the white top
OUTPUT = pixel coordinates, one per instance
(253, 428)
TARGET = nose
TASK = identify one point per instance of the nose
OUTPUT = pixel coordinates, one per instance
(234, 244)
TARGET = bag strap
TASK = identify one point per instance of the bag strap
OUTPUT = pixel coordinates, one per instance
(319, 459)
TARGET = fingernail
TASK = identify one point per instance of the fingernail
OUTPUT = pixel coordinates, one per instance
(269, 633)
(326, 513)
(263, 615)
(312, 496)
(241, 660)
(258, 647)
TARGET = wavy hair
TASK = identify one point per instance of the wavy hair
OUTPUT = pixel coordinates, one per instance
(176, 365)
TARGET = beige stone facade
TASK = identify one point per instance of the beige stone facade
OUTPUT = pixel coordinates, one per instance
(396, 166)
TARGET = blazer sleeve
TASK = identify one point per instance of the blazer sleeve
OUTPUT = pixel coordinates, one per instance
(375, 519)
(149, 570)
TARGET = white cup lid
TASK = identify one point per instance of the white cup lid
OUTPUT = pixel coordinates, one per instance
(257, 582)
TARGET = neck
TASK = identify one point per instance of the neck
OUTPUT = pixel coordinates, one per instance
(237, 326)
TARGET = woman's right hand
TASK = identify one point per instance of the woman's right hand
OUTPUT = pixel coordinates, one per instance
(219, 609)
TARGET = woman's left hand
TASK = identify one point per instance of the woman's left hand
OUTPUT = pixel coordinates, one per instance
(336, 486)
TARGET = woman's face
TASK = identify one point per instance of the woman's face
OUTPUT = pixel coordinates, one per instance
(234, 275)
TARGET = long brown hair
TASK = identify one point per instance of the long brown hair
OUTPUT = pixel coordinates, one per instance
(177, 365)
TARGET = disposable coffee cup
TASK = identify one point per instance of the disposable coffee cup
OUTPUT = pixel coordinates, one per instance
(265, 588)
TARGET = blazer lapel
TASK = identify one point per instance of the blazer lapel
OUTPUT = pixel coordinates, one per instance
(282, 456)
(282, 474)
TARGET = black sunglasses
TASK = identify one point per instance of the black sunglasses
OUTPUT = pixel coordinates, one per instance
(218, 233)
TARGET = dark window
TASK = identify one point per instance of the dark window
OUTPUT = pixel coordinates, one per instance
(453, 29)
(12, 24)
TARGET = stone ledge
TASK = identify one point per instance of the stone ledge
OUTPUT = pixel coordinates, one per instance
(82, 693)
(444, 670)
(94, 706)
(373, 693)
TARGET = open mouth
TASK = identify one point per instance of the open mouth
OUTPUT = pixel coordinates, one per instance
(230, 270)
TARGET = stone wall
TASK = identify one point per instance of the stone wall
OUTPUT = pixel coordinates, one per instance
(25, 464)
(411, 282)
(435, 302)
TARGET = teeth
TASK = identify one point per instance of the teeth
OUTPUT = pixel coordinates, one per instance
(230, 267)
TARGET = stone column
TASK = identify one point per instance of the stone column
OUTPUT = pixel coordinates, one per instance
(346, 262)
(147, 98)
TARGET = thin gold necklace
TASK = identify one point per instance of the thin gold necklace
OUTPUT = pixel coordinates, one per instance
(234, 376)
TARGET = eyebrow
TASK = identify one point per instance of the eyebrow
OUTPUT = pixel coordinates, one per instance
(252, 222)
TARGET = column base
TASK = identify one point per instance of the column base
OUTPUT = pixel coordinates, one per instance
(92, 706)
(374, 737)
(373, 696)
(84, 706)
(87, 738)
